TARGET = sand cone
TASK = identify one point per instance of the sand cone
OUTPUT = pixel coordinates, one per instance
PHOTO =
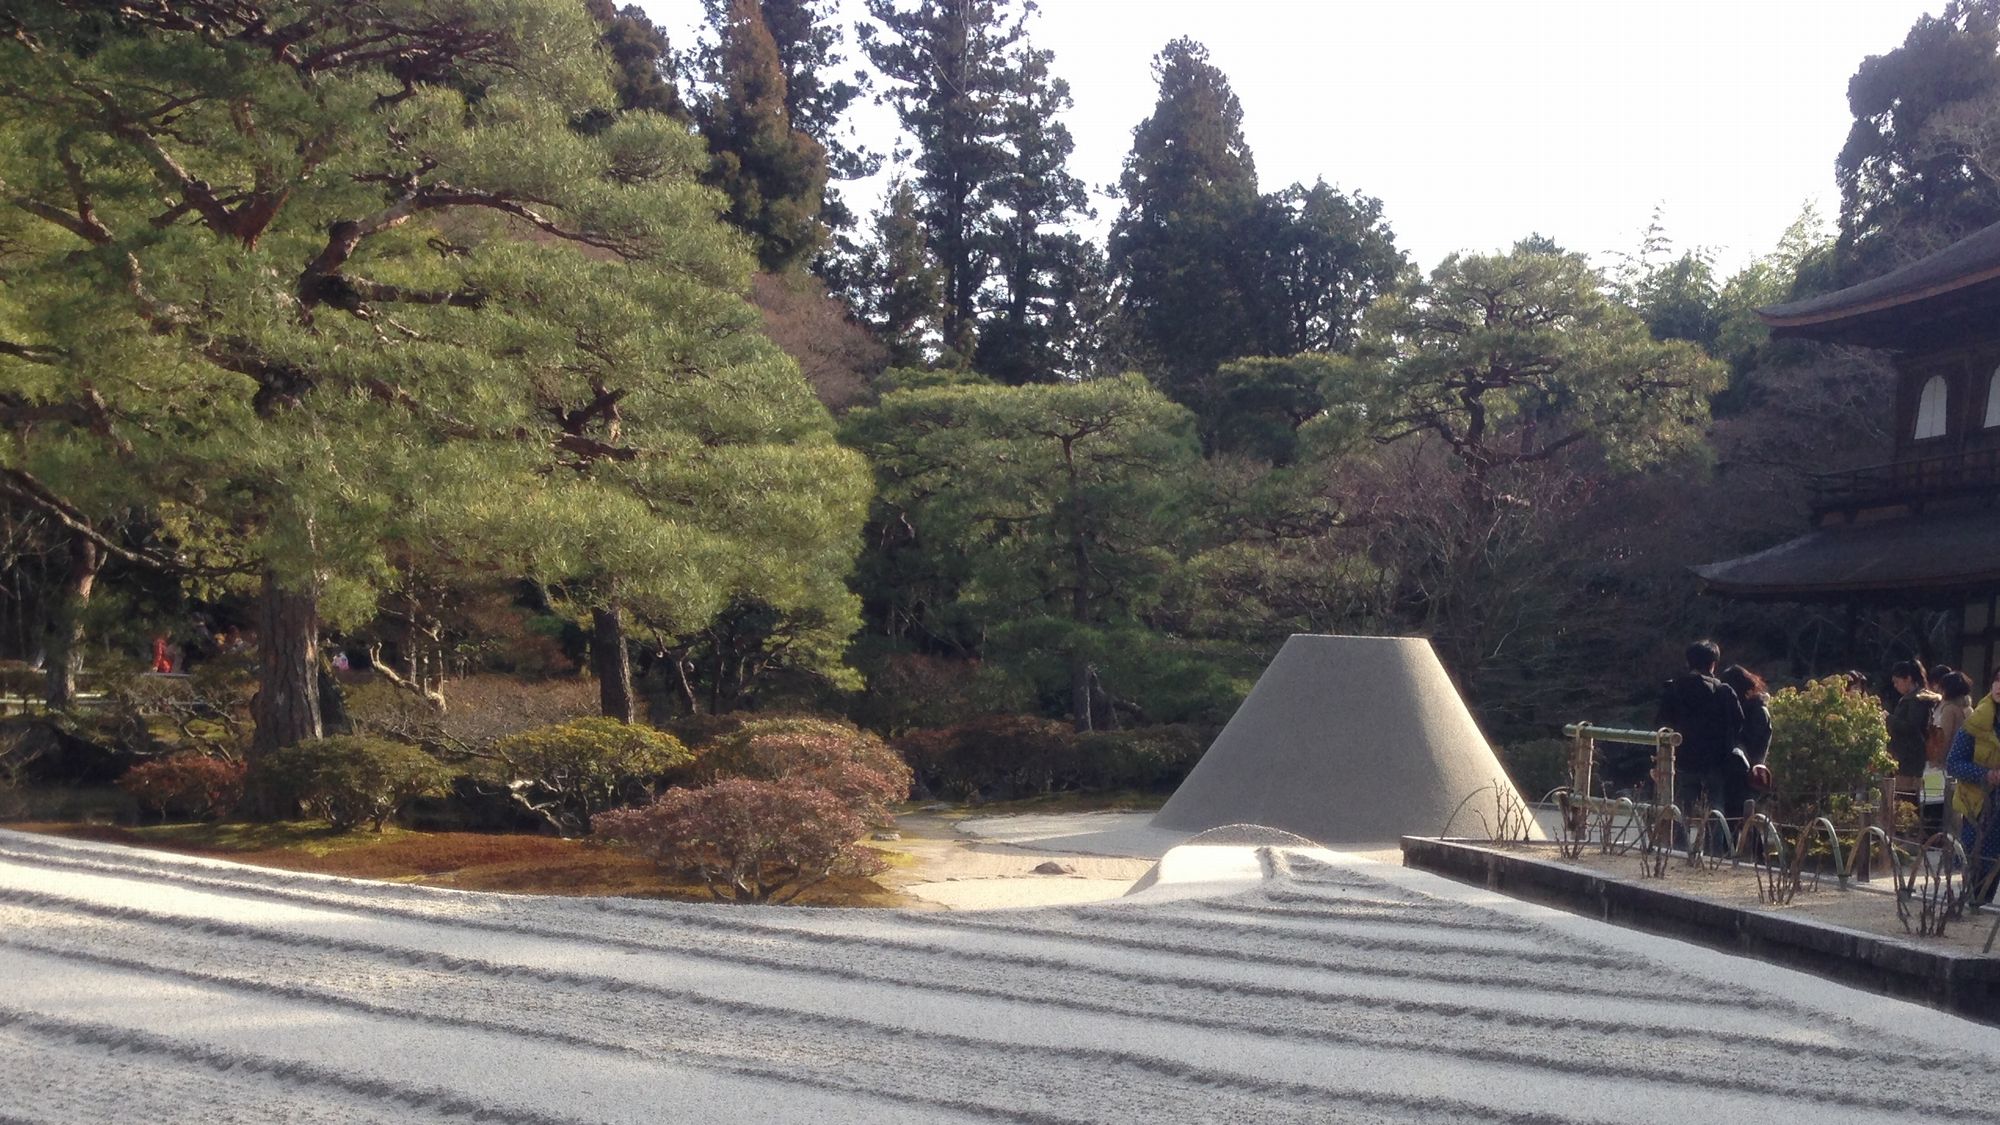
(1347, 741)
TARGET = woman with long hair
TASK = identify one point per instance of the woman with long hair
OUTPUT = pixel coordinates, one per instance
(1909, 721)
(1753, 739)
(1955, 692)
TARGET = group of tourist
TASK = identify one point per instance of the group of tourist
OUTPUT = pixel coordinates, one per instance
(1724, 720)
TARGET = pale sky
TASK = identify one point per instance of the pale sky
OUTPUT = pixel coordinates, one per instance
(1477, 123)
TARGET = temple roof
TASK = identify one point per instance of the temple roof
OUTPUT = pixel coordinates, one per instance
(1911, 558)
(1905, 307)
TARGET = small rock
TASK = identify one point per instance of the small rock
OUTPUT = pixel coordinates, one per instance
(1051, 867)
(887, 836)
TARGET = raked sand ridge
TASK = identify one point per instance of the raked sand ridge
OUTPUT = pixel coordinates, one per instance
(1266, 984)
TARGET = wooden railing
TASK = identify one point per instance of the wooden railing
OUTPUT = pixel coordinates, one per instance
(1968, 472)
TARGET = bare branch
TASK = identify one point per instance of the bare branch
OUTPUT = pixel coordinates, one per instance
(396, 679)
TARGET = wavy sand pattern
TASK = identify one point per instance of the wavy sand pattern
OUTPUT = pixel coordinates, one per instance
(147, 987)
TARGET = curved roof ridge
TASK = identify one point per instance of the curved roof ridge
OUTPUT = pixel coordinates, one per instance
(1967, 262)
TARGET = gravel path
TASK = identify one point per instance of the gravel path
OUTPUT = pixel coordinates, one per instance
(138, 986)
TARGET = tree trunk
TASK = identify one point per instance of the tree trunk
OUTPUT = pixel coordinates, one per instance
(333, 715)
(286, 709)
(64, 654)
(611, 659)
(1079, 613)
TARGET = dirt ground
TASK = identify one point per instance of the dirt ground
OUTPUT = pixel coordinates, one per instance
(936, 865)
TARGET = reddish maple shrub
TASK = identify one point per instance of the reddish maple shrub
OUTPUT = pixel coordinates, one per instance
(188, 783)
(848, 762)
(748, 841)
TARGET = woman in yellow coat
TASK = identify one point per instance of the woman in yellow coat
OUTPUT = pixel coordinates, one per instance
(1974, 759)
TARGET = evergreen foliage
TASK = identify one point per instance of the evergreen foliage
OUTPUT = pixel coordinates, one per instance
(643, 59)
(1053, 505)
(773, 174)
(346, 780)
(817, 98)
(567, 773)
(903, 298)
(949, 67)
(417, 324)
(1522, 376)
(341, 295)
(1328, 256)
(1824, 740)
(1911, 177)
(1188, 278)
(1035, 328)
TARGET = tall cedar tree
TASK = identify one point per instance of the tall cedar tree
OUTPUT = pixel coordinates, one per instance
(773, 174)
(1043, 268)
(1907, 186)
(352, 286)
(817, 99)
(1328, 256)
(643, 59)
(950, 67)
(1188, 276)
(905, 290)
(818, 95)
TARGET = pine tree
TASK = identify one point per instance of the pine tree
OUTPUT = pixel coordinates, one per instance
(338, 292)
(773, 174)
(949, 66)
(1058, 507)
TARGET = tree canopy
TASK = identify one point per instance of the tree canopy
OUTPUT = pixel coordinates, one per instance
(347, 291)
(1909, 182)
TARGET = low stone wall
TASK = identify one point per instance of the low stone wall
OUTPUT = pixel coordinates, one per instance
(1902, 967)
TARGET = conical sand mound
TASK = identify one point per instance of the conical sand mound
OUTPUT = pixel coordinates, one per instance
(1347, 741)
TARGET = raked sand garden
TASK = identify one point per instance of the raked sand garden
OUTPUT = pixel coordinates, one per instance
(1245, 983)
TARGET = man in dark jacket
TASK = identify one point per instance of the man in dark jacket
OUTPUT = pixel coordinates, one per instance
(1708, 715)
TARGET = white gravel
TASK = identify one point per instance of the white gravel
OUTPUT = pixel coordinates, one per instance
(1253, 985)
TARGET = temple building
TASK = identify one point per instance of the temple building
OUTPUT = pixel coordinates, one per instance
(1921, 530)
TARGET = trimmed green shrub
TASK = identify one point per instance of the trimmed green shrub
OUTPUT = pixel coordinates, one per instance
(996, 757)
(1001, 757)
(1150, 758)
(348, 779)
(568, 772)
(1825, 741)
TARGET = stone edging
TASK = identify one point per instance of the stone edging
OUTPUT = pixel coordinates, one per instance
(1966, 984)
